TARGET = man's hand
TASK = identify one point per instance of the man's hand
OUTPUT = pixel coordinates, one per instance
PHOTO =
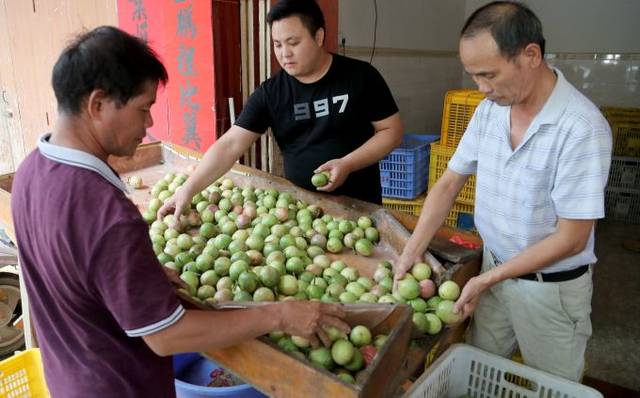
(468, 300)
(402, 266)
(307, 318)
(339, 170)
(178, 203)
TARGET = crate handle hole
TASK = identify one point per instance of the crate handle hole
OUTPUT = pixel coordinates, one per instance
(521, 381)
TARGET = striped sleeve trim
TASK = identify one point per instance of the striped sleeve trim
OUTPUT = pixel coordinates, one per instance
(158, 326)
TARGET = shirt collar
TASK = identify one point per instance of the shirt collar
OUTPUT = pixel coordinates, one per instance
(76, 158)
(557, 101)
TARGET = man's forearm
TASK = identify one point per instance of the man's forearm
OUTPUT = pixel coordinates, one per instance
(218, 159)
(204, 330)
(435, 209)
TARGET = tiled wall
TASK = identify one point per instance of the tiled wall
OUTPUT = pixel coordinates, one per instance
(606, 79)
(418, 82)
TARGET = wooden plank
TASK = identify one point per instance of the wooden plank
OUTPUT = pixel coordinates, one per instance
(244, 61)
(11, 137)
(251, 68)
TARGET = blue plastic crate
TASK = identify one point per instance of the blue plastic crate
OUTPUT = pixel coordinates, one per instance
(404, 173)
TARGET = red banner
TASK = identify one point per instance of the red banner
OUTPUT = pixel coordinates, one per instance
(180, 32)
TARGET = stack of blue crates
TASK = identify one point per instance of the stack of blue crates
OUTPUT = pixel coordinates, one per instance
(404, 173)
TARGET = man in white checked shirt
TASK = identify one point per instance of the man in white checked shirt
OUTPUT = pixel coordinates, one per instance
(541, 153)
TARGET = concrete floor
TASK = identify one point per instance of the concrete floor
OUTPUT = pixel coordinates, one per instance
(613, 353)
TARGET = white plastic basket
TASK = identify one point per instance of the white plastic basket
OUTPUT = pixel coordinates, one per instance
(465, 371)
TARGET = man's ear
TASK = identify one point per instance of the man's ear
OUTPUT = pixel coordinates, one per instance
(95, 103)
(533, 55)
(319, 37)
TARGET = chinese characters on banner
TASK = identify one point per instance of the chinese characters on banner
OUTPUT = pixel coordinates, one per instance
(180, 32)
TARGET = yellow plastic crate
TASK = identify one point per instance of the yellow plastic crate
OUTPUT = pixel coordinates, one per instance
(460, 216)
(439, 158)
(22, 376)
(626, 139)
(413, 207)
(459, 106)
(612, 111)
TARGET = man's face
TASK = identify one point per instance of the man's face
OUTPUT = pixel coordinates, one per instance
(297, 51)
(123, 127)
(500, 79)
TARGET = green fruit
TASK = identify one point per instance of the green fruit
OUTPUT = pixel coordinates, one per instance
(342, 352)
(184, 241)
(348, 298)
(321, 357)
(269, 276)
(288, 285)
(237, 268)
(409, 289)
(209, 277)
(263, 294)
(418, 304)
(346, 377)
(204, 262)
(372, 234)
(379, 341)
(434, 324)
(334, 245)
(221, 265)
(360, 336)
(319, 180)
(356, 363)
(192, 280)
(248, 281)
(433, 302)
(420, 322)
(364, 222)
(445, 312)
(449, 290)
(205, 292)
(421, 271)
(364, 247)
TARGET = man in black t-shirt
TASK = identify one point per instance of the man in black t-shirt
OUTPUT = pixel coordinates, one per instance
(327, 112)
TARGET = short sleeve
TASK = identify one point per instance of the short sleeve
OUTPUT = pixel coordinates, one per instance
(381, 104)
(583, 169)
(131, 282)
(465, 159)
(255, 115)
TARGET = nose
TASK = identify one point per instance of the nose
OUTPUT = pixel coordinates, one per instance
(483, 87)
(149, 121)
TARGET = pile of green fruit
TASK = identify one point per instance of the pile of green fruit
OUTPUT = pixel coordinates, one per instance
(346, 357)
(246, 244)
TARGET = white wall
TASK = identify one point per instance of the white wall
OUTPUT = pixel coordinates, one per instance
(407, 24)
(415, 51)
(417, 43)
(595, 43)
(586, 26)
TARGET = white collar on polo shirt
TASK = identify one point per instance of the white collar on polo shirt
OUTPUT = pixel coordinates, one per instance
(557, 102)
(76, 158)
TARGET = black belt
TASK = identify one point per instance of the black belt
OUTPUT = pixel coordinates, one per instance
(561, 276)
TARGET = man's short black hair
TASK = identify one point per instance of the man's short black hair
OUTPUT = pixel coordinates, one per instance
(512, 25)
(307, 10)
(108, 59)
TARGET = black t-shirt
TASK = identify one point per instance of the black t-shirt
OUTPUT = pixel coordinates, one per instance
(314, 123)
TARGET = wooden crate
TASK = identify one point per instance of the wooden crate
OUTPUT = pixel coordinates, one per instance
(264, 365)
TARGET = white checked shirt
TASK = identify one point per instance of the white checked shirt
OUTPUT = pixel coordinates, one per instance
(559, 170)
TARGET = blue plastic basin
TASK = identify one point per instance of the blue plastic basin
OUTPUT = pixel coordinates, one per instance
(192, 375)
